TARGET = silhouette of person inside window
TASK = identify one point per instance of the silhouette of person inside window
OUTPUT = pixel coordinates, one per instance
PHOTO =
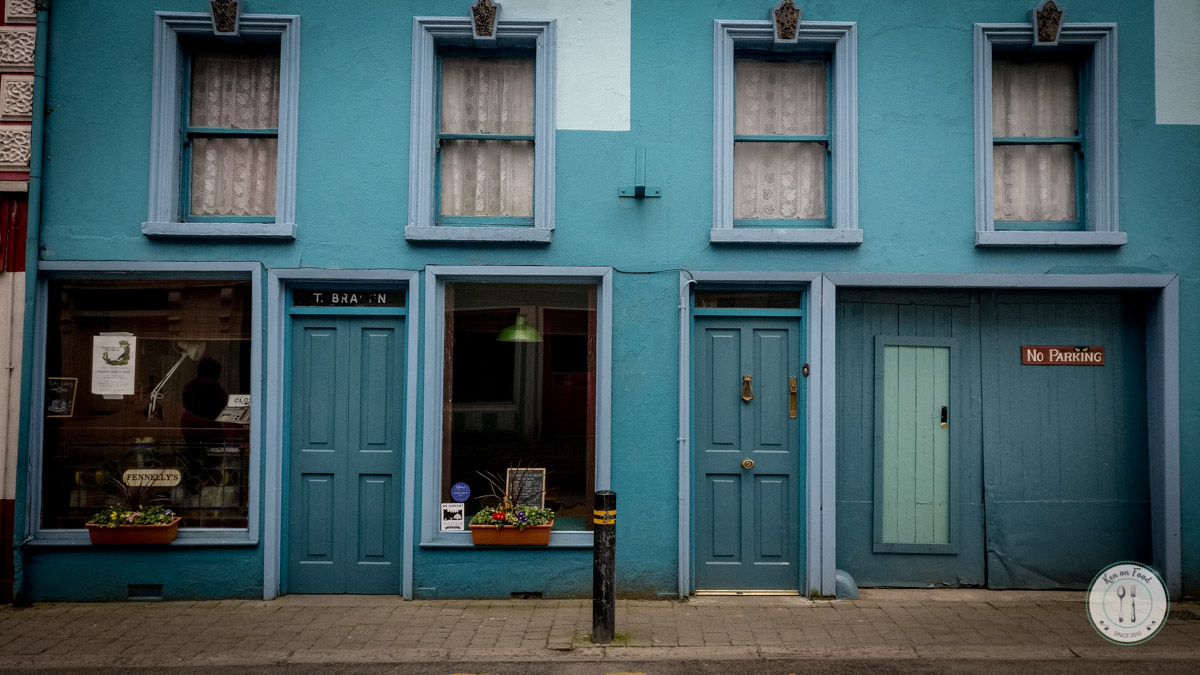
(203, 400)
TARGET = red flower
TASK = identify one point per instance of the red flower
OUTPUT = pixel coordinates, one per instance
(498, 515)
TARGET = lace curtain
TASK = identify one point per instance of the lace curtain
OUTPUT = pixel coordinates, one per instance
(1034, 182)
(234, 176)
(486, 177)
(777, 179)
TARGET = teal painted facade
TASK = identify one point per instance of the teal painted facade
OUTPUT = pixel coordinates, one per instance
(916, 211)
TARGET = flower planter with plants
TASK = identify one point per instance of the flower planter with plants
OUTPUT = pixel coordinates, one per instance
(142, 526)
(137, 520)
(512, 525)
(515, 520)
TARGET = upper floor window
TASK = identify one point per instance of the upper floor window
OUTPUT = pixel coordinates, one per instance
(481, 164)
(1046, 155)
(223, 144)
(231, 136)
(785, 166)
(486, 141)
(781, 143)
(1036, 144)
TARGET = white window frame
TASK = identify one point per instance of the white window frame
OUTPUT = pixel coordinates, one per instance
(730, 36)
(104, 271)
(165, 219)
(436, 277)
(1101, 208)
(428, 34)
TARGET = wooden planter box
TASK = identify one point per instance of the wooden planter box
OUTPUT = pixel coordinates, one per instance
(489, 535)
(135, 534)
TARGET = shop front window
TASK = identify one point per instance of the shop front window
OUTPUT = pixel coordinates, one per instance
(142, 376)
(520, 392)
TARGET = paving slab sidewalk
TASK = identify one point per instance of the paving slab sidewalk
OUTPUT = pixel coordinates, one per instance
(899, 624)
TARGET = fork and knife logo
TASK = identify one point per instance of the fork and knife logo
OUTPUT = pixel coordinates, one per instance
(1132, 603)
(1128, 603)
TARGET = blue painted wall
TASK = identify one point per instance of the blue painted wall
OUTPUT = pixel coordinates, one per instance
(916, 194)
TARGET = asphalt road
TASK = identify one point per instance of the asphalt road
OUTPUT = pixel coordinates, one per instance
(738, 667)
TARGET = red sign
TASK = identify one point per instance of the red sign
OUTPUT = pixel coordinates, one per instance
(1061, 355)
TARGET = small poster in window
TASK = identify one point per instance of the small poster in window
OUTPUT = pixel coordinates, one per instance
(453, 516)
(114, 362)
(60, 396)
(526, 486)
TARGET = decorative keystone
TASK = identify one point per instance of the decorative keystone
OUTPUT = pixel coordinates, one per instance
(226, 16)
(1047, 23)
(786, 19)
(484, 15)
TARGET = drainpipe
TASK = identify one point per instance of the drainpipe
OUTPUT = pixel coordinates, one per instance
(685, 472)
(33, 239)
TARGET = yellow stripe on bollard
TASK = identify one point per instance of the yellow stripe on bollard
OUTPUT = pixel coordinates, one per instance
(604, 517)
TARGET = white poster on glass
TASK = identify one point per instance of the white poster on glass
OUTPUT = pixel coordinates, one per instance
(114, 362)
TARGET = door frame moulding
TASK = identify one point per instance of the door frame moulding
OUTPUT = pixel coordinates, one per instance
(818, 496)
(1162, 375)
(280, 281)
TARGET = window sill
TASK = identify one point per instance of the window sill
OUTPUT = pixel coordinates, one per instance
(519, 235)
(186, 538)
(560, 539)
(218, 230)
(1026, 238)
(786, 236)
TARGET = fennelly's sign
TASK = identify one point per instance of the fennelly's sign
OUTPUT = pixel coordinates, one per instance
(151, 477)
(1061, 355)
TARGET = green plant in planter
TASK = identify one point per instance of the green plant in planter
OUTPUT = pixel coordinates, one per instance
(519, 516)
(112, 516)
(137, 507)
(510, 511)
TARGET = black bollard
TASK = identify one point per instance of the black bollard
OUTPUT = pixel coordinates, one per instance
(604, 567)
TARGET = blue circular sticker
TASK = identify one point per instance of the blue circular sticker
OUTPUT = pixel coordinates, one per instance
(460, 492)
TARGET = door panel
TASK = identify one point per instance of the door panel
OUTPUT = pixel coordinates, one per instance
(749, 525)
(910, 490)
(318, 527)
(346, 454)
(1067, 475)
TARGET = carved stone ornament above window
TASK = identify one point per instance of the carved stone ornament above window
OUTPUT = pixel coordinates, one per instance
(1047, 23)
(484, 14)
(225, 16)
(786, 18)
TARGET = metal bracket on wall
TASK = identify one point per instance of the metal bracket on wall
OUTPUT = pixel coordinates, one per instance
(639, 190)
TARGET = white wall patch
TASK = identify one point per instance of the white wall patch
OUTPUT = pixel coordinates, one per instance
(593, 59)
(1177, 61)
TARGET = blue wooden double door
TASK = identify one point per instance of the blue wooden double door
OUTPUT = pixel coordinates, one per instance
(749, 531)
(959, 465)
(346, 451)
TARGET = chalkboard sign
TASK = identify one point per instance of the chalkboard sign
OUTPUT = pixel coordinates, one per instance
(60, 396)
(526, 486)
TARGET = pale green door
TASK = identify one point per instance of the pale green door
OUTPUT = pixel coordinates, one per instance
(914, 480)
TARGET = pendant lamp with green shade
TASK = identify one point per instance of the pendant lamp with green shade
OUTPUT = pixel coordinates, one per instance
(519, 332)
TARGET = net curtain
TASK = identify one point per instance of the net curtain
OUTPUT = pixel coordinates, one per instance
(779, 180)
(1034, 182)
(234, 176)
(487, 177)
